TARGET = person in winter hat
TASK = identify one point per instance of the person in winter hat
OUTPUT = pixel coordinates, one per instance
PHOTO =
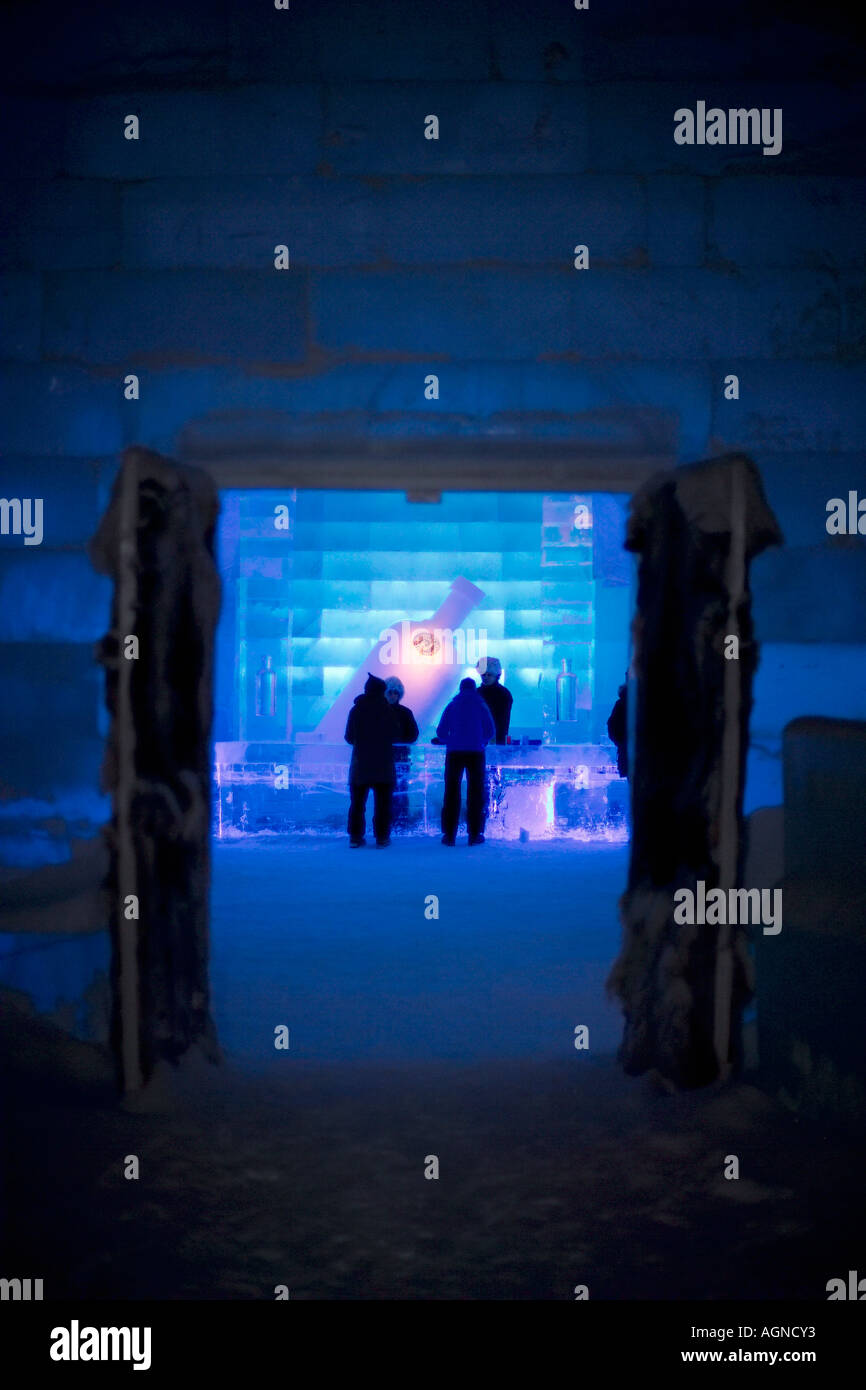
(499, 702)
(370, 730)
(466, 728)
(495, 696)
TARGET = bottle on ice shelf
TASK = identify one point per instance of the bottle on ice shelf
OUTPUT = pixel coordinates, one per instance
(566, 692)
(429, 655)
(266, 689)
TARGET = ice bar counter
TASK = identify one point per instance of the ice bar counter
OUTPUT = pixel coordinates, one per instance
(537, 791)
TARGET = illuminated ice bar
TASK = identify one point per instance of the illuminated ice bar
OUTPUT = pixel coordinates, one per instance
(351, 583)
(537, 792)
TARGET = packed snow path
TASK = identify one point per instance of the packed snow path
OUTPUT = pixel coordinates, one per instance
(341, 946)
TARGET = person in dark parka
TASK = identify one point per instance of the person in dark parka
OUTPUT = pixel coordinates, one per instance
(617, 730)
(497, 698)
(466, 728)
(370, 729)
(406, 733)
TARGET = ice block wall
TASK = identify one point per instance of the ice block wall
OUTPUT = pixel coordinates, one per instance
(512, 575)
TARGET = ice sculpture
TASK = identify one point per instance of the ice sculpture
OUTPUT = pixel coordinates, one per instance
(428, 656)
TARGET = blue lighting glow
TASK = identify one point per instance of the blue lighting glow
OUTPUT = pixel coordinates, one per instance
(371, 581)
(317, 606)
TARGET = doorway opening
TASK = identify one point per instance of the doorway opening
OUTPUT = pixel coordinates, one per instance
(366, 956)
(321, 587)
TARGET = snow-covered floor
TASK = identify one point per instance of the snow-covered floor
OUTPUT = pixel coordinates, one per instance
(341, 946)
(410, 1037)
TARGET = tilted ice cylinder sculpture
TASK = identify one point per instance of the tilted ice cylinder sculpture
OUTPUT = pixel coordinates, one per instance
(428, 656)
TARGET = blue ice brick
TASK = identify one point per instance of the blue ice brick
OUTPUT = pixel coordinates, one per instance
(806, 221)
(693, 312)
(393, 39)
(49, 410)
(234, 222)
(430, 532)
(261, 129)
(50, 685)
(306, 681)
(70, 493)
(793, 407)
(224, 222)
(310, 506)
(308, 593)
(522, 592)
(631, 127)
(51, 597)
(340, 651)
(521, 622)
(521, 564)
(519, 506)
(820, 678)
(334, 535)
(544, 42)
(306, 622)
(307, 564)
(264, 591)
(443, 220)
(489, 620)
(417, 563)
(567, 590)
(334, 678)
(168, 41)
(468, 506)
(20, 315)
(446, 314)
(799, 485)
(378, 128)
(612, 314)
(133, 319)
(623, 54)
(676, 211)
(852, 331)
(515, 653)
(497, 535)
(790, 590)
(360, 505)
(421, 596)
(61, 224)
(340, 623)
(33, 126)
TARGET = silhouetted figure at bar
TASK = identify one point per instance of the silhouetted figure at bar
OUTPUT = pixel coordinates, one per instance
(496, 697)
(617, 730)
(466, 728)
(406, 733)
(370, 730)
(499, 701)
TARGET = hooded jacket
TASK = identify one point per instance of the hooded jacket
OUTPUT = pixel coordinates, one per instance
(407, 732)
(466, 725)
(371, 729)
(499, 701)
(617, 730)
